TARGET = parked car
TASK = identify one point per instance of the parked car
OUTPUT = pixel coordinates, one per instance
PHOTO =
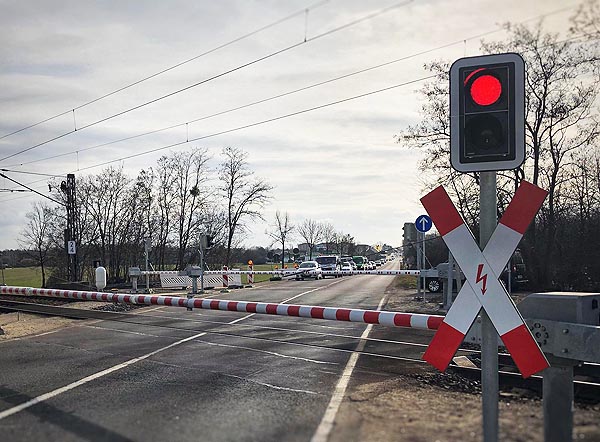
(435, 278)
(309, 269)
(518, 273)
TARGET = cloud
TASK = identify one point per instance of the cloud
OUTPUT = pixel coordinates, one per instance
(339, 162)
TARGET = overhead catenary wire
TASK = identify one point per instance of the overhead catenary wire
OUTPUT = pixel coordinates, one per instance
(274, 119)
(214, 77)
(284, 94)
(170, 68)
(257, 123)
(30, 173)
(31, 190)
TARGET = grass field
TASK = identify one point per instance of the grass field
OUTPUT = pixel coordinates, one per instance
(32, 276)
(23, 276)
(262, 267)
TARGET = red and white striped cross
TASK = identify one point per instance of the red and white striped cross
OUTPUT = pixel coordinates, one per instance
(482, 270)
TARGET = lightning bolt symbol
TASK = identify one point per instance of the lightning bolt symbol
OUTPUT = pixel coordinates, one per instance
(481, 278)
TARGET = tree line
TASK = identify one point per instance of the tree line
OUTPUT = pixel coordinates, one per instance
(561, 248)
(166, 209)
(169, 205)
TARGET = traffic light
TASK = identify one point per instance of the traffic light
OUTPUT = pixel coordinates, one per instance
(210, 241)
(487, 113)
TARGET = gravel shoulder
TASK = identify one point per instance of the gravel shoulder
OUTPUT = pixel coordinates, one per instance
(425, 405)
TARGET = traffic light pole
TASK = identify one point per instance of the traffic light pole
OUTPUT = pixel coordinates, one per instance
(201, 267)
(489, 336)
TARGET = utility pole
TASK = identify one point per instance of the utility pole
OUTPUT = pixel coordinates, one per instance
(68, 187)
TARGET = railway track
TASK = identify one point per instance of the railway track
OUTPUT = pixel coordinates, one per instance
(587, 376)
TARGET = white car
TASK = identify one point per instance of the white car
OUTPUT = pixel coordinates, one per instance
(346, 268)
(309, 269)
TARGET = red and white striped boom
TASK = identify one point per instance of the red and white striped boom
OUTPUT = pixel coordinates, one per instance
(390, 319)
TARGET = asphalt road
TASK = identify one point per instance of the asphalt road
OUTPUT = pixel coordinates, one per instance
(189, 376)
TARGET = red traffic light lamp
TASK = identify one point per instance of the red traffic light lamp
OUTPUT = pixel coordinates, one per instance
(487, 113)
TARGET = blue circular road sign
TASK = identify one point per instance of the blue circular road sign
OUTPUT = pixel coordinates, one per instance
(423, 223)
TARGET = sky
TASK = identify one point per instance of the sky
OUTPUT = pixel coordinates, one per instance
(339, 163)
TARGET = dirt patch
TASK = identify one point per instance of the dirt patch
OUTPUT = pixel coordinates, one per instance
(17, 325)
(424, 405)
(406, 409)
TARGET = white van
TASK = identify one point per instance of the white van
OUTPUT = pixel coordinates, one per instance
(330, 263)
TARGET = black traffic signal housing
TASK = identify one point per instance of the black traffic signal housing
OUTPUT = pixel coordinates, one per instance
(210, 241)
(487, 113)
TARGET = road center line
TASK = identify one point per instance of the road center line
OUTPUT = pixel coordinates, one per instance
(46, 396)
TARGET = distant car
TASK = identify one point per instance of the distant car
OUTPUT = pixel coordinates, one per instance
(518, 273)
(309, 269)
(349, 260)
(360, 261)
(347, 267)
(371, 265)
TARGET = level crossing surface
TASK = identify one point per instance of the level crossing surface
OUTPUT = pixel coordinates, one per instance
(201, 375)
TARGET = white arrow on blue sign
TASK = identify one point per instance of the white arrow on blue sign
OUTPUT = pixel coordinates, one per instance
(423, 223)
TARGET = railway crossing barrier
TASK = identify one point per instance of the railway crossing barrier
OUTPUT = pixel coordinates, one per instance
(390, 319)
(215, 278)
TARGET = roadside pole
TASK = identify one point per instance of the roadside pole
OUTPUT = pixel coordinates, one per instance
(424, 266)
(147, 252)
(2, 269)
(489, 338)
(448, 300)
(201, 267)
(420, 284)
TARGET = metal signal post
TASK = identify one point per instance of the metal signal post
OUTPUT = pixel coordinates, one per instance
(68, 187)
(487, 134)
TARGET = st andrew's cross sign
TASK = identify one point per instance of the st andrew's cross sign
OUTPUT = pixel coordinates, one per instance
(482, 270)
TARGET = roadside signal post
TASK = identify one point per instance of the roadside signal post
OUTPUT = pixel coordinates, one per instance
(423, 224)
(487, 134)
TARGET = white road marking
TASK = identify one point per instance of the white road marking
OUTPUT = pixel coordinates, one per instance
(324, 428)
(46, 396)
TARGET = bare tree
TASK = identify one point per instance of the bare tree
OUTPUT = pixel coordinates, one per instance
(312, 232)
(329, 236)
(280, 232)
(36, 235)
(586, 20)
(561, 120)
(190, 196)
(244, 194)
